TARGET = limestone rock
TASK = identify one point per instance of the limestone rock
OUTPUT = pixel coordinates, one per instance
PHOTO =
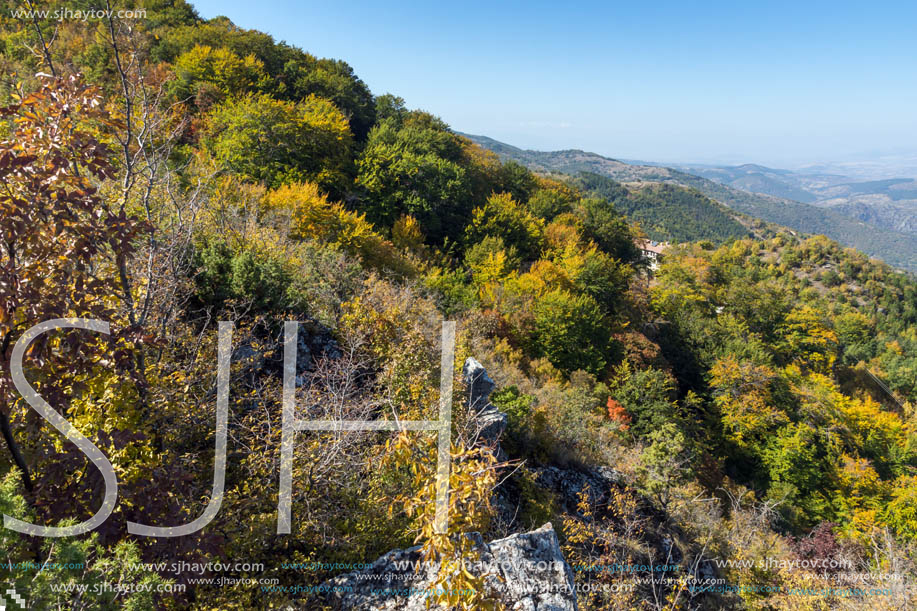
(568, 483)
(313, 342)
(526, 572)
(491, 421)
(479, 384)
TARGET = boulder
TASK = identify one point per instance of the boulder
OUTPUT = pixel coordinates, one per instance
(478, 383)
(313, 342)
(569, 482)
(526, 572)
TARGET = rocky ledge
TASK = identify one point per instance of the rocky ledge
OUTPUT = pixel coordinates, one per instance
(525, 572)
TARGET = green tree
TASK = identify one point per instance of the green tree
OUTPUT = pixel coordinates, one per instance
(501, 216)
(83, 562)
(390, 106)
(856, 334)
(515, 179)
(799, 464)
(648, 395)
(415, 169)
(278, 142)
(548, 203)
(334, 80)
(665, 462)
(607, 228)
(571, 332)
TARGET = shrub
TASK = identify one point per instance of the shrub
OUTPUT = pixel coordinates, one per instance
(514, 404)
(222, 274)
(647, 395)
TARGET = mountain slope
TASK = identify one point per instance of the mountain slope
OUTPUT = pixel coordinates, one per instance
(895, 247)
(889, 204)
(666, 211)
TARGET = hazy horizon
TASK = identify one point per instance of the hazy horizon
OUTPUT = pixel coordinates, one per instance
(864, 166)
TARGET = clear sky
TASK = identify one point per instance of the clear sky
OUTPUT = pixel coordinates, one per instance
(719, 81)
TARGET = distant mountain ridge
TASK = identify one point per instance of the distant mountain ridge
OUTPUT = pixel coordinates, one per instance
(814, 187)
(888, 203)
(876, 236)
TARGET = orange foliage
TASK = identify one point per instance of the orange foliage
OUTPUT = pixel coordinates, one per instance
(617, 413)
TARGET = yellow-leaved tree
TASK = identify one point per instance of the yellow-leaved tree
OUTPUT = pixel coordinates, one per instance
(313, 217)
(473, 475)
(742, 391)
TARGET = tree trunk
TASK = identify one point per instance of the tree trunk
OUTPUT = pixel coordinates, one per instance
(18, 458)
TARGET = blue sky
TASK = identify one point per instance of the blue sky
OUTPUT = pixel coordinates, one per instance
(777, 83)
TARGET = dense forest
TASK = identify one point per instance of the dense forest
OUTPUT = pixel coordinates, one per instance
(666, 212)
(753, 397)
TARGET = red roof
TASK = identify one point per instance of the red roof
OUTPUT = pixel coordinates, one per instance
(649, 246)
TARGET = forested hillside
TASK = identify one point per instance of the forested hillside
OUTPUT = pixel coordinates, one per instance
(749, 407)
(665, 211)
(874, 233)
(888, 203)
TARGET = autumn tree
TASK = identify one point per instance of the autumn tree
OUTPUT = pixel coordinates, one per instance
(809, 340)
(60, 239)
(293, 73)
(617, 414)
(490, 260)
(502, 216)
(742, 391)
(207, 75)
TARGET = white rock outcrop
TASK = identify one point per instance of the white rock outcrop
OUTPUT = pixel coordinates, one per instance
(491, 421)
(526, 572)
